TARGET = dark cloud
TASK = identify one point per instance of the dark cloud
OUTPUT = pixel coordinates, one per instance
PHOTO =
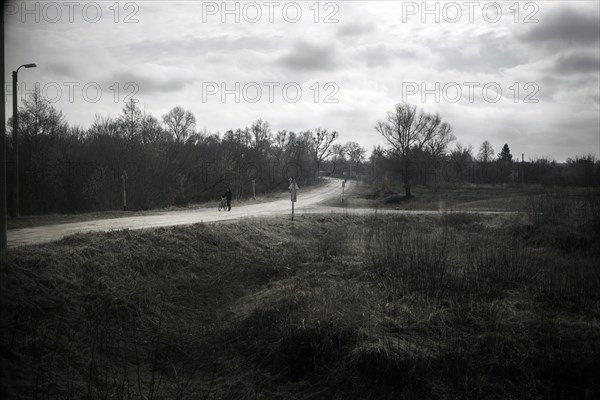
(488, 53)
(356, 29)
(146, 83)
(550, 86)
(310, 57)
(381, 55)
(564, 26)
(578, 62)
(191, 46)
(59, 69)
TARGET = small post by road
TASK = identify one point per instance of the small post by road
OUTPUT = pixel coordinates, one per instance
(343, 187)
(293, 189)
(124, 181)
(254, 189)
(522, 168)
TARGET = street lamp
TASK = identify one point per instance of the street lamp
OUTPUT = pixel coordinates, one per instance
(2, 148)
(15, 205)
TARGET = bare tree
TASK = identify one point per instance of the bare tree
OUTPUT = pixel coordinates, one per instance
(338, 154)
(130, 120)
(151, 131)
(460, 158)
(321, 145)
(180, 123)
(261, 135)
(279, 143)
(407, 131)
(38, 117)
(375, 159)
(356, 154)
(103, 126)
(437, 144)
(486, 152)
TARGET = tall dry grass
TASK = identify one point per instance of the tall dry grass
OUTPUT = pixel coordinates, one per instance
(349, 307)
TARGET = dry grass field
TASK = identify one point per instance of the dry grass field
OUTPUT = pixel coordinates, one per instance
(448, 306)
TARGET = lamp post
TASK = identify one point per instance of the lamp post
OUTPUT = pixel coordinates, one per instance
(2, 148)
(15, 205)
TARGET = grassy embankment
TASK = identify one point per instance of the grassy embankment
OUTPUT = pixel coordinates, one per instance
(418, 307)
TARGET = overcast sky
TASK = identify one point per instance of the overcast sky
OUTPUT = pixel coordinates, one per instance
(539, 63)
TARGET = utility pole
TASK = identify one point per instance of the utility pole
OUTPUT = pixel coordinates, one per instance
(2, 149)
(15, 75)
(124, 178)
(522, 168)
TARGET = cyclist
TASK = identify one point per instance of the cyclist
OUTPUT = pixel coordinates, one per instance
(228, 196)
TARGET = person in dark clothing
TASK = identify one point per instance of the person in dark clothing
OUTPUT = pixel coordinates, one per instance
(228, 196)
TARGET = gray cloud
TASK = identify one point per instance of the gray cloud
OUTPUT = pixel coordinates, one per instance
(595, 98)
(487, 53)
(169, 53)
(356, 29)
(578, 62)
(193, 46)
(59, 69)
(310, 57)
(565, 26)
(147, 84)
(381, 55)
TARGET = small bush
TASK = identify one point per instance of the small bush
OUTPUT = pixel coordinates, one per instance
(395, 199)
(504, 263)
(461, 220)
(549, 209)
(304, 350)
(329, 241)
(575, 281)
(409, 262)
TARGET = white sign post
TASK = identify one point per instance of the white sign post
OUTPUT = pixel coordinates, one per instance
(293, 189)
(124, 180)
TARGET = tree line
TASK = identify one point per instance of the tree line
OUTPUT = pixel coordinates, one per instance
(420, 152)
(167, 161)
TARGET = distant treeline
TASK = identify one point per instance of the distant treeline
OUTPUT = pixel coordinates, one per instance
(167, 161)
(419, 152)
(65, 169)
(460, 166)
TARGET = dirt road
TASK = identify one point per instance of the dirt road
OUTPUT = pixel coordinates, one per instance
(308, 203)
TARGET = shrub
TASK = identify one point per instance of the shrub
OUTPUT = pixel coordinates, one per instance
(409, 262)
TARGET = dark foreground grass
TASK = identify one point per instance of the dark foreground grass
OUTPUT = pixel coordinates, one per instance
(334, 307)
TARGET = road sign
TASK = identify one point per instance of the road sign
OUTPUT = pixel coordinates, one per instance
(293, 189)
(293, 185)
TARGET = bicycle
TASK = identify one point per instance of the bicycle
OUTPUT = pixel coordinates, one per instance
(223, 204)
